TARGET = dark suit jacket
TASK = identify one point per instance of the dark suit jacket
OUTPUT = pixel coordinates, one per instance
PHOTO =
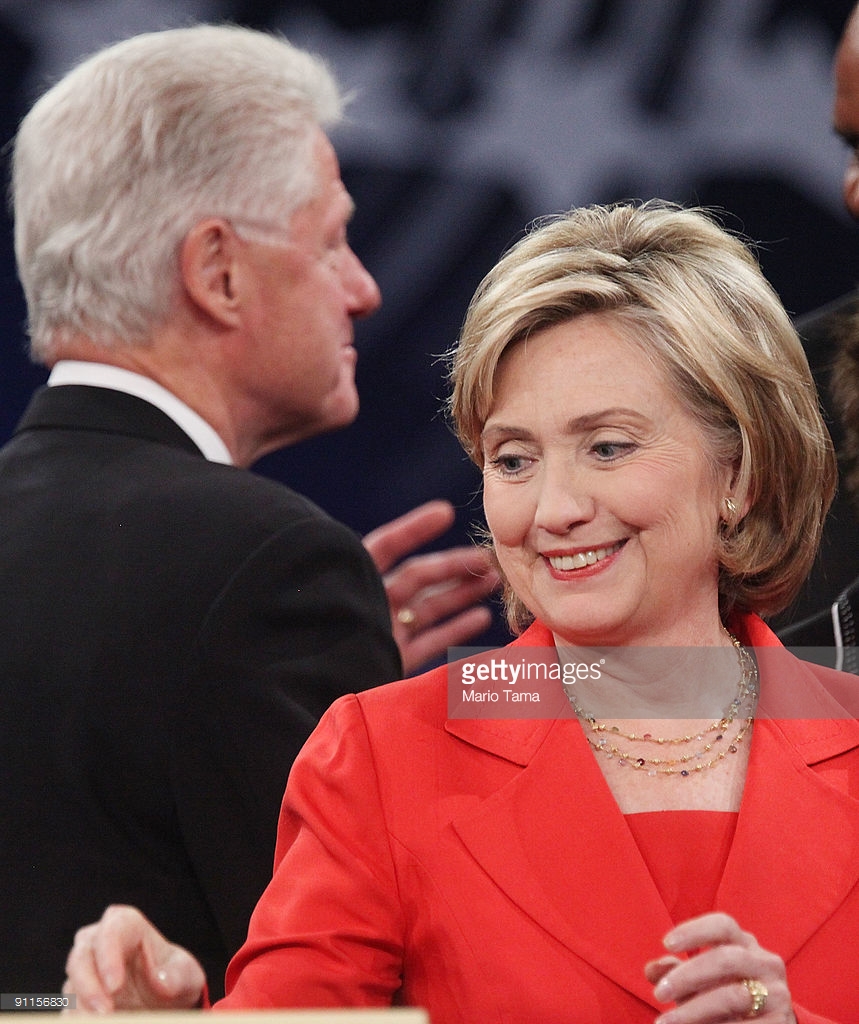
(481, 867)
(171, 631)
(829, 593)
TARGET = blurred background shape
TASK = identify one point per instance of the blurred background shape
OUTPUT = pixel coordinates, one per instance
(469, 119)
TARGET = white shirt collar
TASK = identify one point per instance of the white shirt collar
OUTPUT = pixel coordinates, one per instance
(100, 375)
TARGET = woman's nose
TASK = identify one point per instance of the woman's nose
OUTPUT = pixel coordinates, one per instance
(564, 500)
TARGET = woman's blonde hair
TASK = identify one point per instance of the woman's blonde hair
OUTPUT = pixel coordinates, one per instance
(693, 296)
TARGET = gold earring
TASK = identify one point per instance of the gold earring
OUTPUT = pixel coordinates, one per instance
(731, 507)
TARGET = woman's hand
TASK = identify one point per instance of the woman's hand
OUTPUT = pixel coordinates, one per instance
(724, 974)
(124, 963)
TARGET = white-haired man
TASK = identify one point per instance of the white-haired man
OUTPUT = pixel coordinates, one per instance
(174, 624)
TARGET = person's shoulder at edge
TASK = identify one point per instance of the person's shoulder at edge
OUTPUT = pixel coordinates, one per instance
(827, 312)
(828, 636)
(809, 622)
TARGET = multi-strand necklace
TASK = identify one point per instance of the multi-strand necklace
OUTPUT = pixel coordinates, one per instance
(717, 740)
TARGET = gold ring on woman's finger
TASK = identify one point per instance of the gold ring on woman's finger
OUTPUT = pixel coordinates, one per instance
(406, 617)
(758, 992)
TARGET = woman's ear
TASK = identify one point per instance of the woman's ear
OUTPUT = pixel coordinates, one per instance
(736, 501)
(209, 269)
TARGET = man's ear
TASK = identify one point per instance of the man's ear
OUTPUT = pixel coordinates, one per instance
(208, 267)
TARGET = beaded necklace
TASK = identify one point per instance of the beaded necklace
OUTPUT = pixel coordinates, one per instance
(694, 761)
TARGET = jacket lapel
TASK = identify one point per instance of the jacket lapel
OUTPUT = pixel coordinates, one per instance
(554, 841)
(779, 845)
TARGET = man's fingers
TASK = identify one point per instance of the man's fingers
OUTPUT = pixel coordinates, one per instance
(434, 597)
(460, 565)
(390, 543)
(427, 619)
(441, 584)
(416, 651)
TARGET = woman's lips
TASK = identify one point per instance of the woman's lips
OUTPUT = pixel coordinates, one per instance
(582, 559)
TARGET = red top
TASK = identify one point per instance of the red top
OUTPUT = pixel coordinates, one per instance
(482, 869)
(685, 852)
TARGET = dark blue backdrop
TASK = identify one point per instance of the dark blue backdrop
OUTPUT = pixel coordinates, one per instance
(472, 118)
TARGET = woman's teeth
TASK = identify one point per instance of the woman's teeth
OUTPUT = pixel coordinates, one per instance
(565, 563)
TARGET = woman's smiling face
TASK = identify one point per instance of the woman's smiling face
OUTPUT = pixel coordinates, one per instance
(599, 492)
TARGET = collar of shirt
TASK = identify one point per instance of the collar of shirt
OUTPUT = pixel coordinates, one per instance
(100, 375)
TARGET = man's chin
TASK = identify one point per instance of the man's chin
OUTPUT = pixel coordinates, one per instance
(341, 411)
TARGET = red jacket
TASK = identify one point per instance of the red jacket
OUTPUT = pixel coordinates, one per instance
(482, 869)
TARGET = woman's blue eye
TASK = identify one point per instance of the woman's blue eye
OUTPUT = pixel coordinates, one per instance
(608, 450)
(507, 463)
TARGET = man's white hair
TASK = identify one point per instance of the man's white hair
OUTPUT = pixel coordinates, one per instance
(117, 162)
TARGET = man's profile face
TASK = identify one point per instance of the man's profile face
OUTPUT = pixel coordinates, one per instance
(310, 288)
